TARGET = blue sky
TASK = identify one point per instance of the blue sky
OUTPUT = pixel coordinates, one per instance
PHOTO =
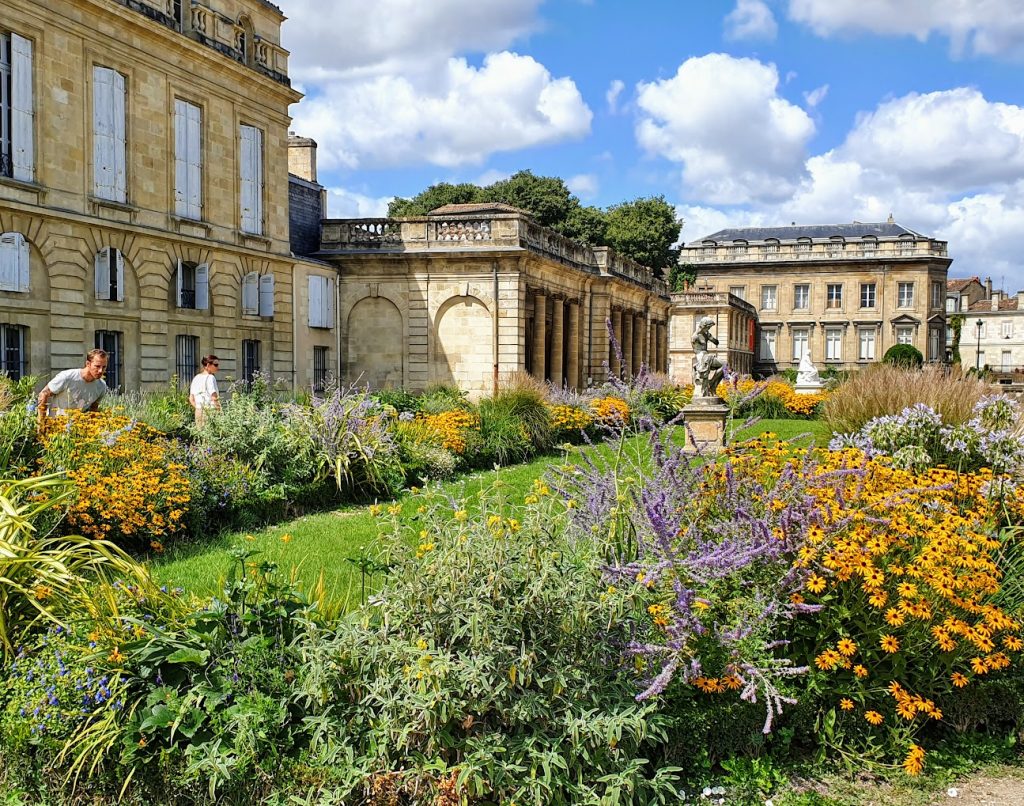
(738, 112)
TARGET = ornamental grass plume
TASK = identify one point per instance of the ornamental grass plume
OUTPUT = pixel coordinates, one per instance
(883, 389)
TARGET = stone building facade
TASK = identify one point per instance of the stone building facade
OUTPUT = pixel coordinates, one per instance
(843, 293)
(144, 188)
(735, 328)
(992, 334)
(471, 293)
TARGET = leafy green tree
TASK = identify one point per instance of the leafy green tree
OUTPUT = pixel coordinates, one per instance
(586, 224)
(645, 229)
(681, 276)
(546, 197)
(433, 197)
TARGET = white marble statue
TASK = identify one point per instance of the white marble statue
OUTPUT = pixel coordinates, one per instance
(707, 369)
(807, 373)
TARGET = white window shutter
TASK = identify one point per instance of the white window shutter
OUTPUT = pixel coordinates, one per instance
(23, 264)
(257, 172)
(103, 273)
(328, 316)
(250, 293)
(194, 126)
(247, 179)
(22, 108)
(315, 301)
(120, 140)
(180, 280)
(102, 133)
(267, 295)
(119, 268)
(9, 249)
(180, 159)
(202, 287)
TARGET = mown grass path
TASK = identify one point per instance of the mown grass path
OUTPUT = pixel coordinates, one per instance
(322, 549)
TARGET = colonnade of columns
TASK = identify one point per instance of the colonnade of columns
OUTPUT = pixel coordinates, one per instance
(556, 350)
(641, 341)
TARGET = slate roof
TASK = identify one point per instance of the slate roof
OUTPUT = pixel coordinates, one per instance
(477, 207)
(815, 231)
(961, 284)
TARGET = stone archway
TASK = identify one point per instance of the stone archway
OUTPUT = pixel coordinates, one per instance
(463, 354)
(375, 350)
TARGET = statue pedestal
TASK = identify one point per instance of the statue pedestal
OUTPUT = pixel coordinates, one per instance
(704, 424)
(808, 387)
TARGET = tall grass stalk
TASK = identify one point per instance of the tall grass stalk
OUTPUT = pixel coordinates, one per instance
(886, 389)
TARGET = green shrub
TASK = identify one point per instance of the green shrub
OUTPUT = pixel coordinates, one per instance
(489, 659)
(18, 446)
(442, 397)
(504, 438)
(526, 404)
(398, 399)
(167, 409)
(904, 355)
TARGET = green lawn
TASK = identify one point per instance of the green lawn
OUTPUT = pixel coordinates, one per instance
(323, 549)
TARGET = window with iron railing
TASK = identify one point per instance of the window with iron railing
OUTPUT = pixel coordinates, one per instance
(250, 359)
(321, 357)
(186, 359)
(14, 351)
(110, 341)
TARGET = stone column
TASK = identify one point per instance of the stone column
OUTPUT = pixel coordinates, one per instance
(540, 314)
(572, 369)
(639, 339)
(613, 358)
(557, 342)
(627, 345)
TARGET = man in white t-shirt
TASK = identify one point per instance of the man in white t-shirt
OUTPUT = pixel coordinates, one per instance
(80, 389)
(203, 394)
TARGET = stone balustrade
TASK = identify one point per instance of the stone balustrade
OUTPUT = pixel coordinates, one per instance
(461, 232)
(824, 250)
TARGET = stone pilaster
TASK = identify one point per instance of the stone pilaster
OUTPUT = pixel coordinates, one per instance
(627, 346)
(613, 358)
(540, 314)
(557, 342)
(572, 369)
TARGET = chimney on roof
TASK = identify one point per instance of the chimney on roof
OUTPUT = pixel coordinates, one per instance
(302, 157)
(996, 296)
(1020, 300)
(890, 219)
(988, 288)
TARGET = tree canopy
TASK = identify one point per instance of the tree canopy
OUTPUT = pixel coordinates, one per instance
(644, 229)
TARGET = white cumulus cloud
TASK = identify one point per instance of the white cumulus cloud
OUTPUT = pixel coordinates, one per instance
(459, 117)
(974, 27)
(722, 118)
(344, 203)
(583, 185)
(612, 95)
(751, 19)
(347, 38)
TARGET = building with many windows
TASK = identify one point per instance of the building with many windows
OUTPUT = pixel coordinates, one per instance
(841, 293)
(144, 190)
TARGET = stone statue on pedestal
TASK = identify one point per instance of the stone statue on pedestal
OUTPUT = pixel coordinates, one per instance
(708, 371)
(808, 382)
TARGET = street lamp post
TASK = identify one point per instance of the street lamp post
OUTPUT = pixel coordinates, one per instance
(977, 354)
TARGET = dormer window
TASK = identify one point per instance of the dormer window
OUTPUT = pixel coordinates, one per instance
(771, 245)
(870, 243)
(739, 248)
(803, 245)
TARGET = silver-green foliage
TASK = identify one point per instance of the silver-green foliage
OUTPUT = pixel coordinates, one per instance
(493, 655)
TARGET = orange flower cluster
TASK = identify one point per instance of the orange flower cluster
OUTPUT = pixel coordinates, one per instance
(126, 487)
(905, 569)
(569, 420)
(804, 405)
(451, 427)
(611, 411)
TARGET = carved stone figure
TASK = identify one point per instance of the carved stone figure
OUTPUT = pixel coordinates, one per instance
(707, 369)
(807, 373)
